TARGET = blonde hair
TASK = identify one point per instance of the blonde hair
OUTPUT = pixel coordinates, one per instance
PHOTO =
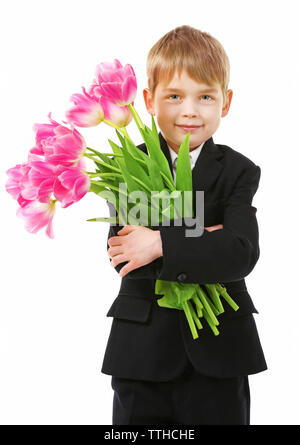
(188, 48)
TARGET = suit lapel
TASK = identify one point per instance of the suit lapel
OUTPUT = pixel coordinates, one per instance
(207, 167)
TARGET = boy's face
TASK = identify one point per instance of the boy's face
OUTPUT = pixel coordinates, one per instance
(187, 102)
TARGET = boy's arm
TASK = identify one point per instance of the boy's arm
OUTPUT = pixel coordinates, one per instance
(150, 270)
(219, 256)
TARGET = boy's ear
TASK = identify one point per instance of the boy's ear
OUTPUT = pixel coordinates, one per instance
(226, 106)
(148, 101)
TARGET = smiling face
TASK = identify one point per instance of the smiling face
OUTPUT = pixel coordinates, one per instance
(186, 102)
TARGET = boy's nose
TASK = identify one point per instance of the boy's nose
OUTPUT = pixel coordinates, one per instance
(189, 109)
(190, 113)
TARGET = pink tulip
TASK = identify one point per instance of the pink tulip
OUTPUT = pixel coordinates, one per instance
(81, 163)
(58, 144)
(54, 166)
(68, 184)
(87, 110)
(116, 114)
(41, 180)
(71, 185)
(16, 175)
(32, 185)
(91, 110)
(18, 184)
(115, 83)
(43, 132)
(38, 215)
(37, 180)
(32, 180)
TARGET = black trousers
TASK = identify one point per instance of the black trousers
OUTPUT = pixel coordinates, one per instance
(191, 399)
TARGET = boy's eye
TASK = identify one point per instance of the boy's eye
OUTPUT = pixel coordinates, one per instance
(205, 95)
(176, 95)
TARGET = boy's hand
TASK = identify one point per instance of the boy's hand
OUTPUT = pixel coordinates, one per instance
(136, 244)
(212, 228)
(139, 246)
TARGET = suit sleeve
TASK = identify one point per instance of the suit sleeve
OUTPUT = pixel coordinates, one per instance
(150, 270)
(224, 255)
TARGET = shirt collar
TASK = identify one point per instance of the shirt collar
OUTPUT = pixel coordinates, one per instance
(193, 154)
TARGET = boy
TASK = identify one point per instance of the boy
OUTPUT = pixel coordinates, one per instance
(160, 375)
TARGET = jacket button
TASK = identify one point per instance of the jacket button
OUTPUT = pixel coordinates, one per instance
(181, 277)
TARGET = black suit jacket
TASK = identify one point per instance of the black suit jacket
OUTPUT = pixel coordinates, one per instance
(149, 342)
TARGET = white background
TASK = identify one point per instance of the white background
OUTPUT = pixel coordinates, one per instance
(55, 293)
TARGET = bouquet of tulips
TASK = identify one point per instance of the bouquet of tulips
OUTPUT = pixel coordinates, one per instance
(56, 171)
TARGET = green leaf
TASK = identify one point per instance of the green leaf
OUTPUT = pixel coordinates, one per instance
(121, 138)
(109, 219)
(156, 153)
(98, 153)
(133, 184)
(136, 169)
(184, 180)
(134, 150)
(115, 148)
(130, 146)
(110, 174)
(96, 188)
(155, 176)
(154, 130)
(107, 159)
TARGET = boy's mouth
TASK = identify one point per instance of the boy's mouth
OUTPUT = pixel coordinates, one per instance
(189, 127)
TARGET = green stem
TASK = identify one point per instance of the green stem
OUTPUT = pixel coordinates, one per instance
(137, 119)
(198, 305)
(170, 184)
(214, 294)
(136, 116)
(142, 183)
(121, 218)
(203, 299)
(105, 154)
(109, 175)
(105, 184)
(102, 163)
(113, 125)
(125, 132)
(226, 297)
(211, 324)
(190, 319)
(194, 315)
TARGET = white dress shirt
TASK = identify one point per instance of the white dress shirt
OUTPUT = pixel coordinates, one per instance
(193, 157)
